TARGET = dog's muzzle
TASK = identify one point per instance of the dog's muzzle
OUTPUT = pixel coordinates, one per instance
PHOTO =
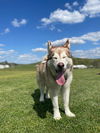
(60, 67)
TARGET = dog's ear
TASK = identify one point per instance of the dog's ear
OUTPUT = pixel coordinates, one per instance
(49, 46)
(67, 44)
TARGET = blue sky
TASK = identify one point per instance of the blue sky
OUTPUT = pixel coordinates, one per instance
(26, 26)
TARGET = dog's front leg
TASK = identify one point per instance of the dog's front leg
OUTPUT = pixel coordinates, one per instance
(66, 94)
(54, 98)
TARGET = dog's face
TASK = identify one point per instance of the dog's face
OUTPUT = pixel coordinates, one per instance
(59, 56)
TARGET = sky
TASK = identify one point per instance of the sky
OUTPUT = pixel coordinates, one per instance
(27, 25)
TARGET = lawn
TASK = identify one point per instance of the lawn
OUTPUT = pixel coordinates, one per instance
(21, 111)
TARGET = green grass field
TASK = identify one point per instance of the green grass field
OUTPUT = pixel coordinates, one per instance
(21, 111)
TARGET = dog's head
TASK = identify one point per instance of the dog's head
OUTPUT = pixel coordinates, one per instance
(59, 56)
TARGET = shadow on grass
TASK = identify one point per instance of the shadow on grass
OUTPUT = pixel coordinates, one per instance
(41, 107)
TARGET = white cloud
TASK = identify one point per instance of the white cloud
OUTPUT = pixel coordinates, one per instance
(7, 52)
(40, 26)
(91, 8)
(73, 40)
(1, 57)
(64, 16)
(67, 5)
(8, 55)
(77, 40)
(2, 45)
(52, 27)
(6, 30)
(18, 23)
(75, 3)
(70, 6)
(96, 43)
(39, 50)
(24, 56)
(27, 58)
(13, 56)
(11, 51)
(92, 36)
(91, 53)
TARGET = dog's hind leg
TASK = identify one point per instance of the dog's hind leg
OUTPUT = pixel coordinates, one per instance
(41, 94)
(42, 87)
(47, 93)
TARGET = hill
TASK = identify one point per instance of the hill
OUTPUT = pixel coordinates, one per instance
(87, 62)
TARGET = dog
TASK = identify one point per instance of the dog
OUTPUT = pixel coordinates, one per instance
(54, 74)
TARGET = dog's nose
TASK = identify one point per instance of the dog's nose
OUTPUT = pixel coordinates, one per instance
(60, 64)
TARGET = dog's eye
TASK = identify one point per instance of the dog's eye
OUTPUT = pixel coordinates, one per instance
(55, 58)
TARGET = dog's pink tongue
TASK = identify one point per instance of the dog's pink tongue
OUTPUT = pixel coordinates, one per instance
(60, 80)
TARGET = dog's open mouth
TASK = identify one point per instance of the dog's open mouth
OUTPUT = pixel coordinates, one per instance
(60, 79)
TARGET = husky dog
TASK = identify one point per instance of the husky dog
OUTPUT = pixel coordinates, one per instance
(55, 74)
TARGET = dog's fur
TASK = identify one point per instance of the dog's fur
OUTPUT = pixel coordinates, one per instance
(47, 72)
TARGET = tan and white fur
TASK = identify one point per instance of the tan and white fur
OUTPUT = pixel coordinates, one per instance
(57, 61)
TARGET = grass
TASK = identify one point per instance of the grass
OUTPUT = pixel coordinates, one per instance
(21, 111)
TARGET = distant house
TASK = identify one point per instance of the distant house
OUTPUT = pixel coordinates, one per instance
(79, 66)
(4, 66)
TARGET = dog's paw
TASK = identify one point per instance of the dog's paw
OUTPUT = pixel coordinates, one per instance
(57, 117)
(70, 114)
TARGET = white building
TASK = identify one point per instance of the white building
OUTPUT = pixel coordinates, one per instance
(4, 66)
(79, 66)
